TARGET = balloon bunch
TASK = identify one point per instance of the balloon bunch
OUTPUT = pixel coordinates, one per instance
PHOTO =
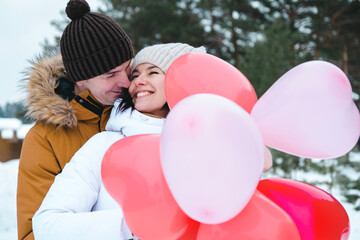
(200, 179)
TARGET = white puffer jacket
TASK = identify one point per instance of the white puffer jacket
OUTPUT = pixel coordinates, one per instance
(77, 205)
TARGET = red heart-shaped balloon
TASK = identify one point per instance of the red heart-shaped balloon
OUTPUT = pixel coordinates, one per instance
(260, 219)
(316, 213)
(196, 72)
(132, 174)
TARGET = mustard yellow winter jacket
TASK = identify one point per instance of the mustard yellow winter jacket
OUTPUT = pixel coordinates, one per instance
(61, 128)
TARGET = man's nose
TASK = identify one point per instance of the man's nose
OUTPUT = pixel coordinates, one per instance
(123, 81)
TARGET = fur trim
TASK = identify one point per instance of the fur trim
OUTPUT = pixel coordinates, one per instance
(42, 103)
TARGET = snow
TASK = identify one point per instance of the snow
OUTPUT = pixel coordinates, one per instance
(354, 157)
(8, 181)
(355, 96)
(9, 123)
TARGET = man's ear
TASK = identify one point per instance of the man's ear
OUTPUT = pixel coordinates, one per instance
(79, 84)
(79, 87)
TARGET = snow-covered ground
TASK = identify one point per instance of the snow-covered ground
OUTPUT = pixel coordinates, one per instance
(8, 181)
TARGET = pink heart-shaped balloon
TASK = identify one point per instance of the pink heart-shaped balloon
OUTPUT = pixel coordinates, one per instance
(309, 112)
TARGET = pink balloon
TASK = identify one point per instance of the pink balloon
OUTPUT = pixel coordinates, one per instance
(316, 213)
(212, 156)
(260, 219)
(309, 112)
(195, 73)
(132, 174)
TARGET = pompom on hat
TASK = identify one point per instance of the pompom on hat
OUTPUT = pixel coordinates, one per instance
(163, 55)
(92, 43)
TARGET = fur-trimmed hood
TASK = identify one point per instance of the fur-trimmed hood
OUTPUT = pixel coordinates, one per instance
(42, 103)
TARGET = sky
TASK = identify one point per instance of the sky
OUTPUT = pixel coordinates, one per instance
(24, 25)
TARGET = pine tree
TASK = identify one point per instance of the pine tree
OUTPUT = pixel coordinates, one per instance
(270, 57)
(157, 21)
(231, 26)
(2, 112)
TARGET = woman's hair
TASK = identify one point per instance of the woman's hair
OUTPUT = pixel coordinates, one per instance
(126, 101)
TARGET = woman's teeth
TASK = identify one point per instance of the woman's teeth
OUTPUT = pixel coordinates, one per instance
(141, 94)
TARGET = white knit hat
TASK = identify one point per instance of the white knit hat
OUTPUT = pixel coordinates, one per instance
(163, 55)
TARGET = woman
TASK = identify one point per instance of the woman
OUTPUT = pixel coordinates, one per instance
(77, 205)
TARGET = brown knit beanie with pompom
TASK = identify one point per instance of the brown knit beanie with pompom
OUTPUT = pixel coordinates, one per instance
(93, 43)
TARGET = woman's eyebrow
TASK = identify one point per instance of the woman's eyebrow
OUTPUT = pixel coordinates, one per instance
(148, 68)
(151, 67)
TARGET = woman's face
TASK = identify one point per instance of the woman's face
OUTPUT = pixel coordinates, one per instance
(147, 90)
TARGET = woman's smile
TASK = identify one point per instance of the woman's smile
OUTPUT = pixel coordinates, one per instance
(143, 94)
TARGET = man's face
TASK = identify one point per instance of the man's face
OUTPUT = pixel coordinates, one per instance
(108, 87)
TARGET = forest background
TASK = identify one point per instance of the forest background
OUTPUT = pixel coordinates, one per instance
(263, 39)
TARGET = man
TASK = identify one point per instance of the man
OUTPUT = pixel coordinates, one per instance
(70, 96)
